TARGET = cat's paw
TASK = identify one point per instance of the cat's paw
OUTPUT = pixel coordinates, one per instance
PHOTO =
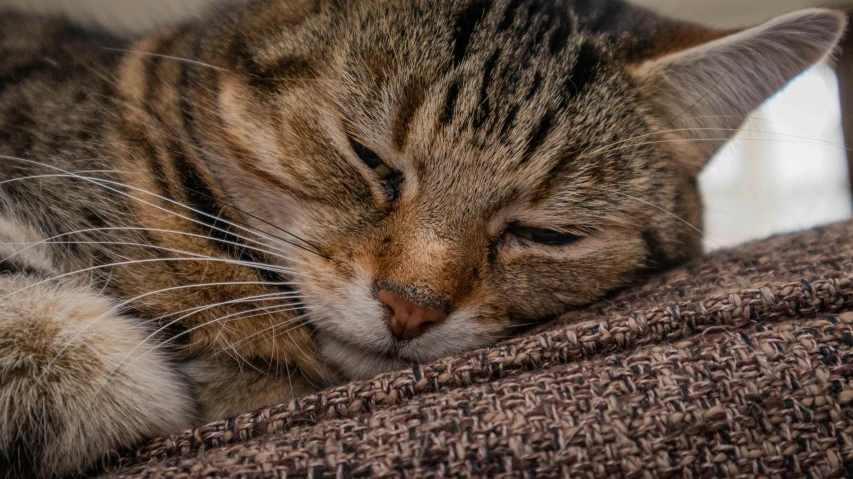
(77, 381)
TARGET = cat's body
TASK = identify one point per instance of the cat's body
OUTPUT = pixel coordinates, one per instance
(67, 121)
(196, 224)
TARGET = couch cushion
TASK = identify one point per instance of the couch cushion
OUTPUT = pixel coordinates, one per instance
(737, 364)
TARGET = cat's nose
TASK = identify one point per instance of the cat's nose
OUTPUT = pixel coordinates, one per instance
(408, 320)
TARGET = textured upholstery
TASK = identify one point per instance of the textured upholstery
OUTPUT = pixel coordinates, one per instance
(737, 365)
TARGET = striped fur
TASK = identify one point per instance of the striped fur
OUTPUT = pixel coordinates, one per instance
(190, 234)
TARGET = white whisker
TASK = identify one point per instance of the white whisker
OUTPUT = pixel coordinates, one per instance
(168, 57)
(263, 331)
(665, 211)
(810, 140)
(207, 153)
(131, 228)
(689, 140)
(199, 256)
(194, 328)
(103, 183)
(125, 303)
(247, 299)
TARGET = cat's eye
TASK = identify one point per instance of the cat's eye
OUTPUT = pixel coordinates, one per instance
(545, 236)
(373, 161)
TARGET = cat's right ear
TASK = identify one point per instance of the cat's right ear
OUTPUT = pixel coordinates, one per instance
(703, 94)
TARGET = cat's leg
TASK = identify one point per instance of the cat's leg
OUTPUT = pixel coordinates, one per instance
(77, 380)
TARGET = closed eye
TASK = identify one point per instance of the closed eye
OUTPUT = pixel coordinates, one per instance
(546, 237)
(390, 178)
(373, 161)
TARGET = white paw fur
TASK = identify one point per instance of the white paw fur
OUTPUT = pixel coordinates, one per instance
(75, 382)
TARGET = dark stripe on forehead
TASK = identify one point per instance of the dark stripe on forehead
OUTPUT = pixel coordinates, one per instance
(509, 15)
(509, 120)
(534, 88)
(449, 104)
(540, 133)
(559, 38)
(484, 107)
(466, 23)
(555, 173)
(584, 71)
(533, 8)
(488, 70)
(411, 99)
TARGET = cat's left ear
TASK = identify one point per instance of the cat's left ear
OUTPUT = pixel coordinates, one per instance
(704, 93)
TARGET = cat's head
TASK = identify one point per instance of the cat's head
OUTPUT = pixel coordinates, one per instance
(466, 167)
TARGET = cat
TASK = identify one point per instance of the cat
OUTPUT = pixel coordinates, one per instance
(293, 193)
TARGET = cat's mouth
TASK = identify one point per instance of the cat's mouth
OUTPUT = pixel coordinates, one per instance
(356, 361)
(354, 335)
(398, 350)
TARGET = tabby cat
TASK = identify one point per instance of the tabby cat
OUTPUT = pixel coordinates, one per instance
(292, 193)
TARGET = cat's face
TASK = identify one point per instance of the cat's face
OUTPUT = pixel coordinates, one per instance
(463, 168)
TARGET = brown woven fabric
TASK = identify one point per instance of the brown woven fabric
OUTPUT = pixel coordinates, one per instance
(738, 365)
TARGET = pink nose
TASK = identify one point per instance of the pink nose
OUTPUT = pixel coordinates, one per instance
(409, 320)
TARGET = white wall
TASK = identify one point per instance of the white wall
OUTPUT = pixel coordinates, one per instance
(731, 12)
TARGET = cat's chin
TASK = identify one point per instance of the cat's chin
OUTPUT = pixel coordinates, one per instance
(357, 363)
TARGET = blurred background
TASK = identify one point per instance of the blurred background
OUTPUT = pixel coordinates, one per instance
(786, 171)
